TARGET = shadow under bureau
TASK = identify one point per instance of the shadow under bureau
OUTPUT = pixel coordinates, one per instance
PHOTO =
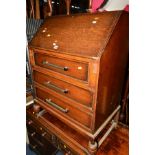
(78, 67)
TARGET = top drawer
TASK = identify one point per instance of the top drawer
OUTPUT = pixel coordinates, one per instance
(70, 68)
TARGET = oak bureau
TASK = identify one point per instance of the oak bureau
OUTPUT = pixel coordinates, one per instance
(78, 67)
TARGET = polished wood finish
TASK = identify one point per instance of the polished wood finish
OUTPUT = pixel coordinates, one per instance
(89, 51)
(71, 66)
(66, 89)
(87, 35)
(114, 63)
(117, 143)
(72, 113)
(124, 114)
(70, 140)
(39, 139)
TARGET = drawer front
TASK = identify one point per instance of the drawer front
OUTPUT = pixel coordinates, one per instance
(33, 132)
(40, 139)
(36, 129)
(64, 88)
(64, 108)
(36, 138)
(70, 68)
(35, 147)
(39, 147)
(66, 149)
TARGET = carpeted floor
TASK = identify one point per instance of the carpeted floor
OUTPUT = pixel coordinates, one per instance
(30, 152)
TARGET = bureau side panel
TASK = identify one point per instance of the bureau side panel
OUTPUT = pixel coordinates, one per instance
(113, 64)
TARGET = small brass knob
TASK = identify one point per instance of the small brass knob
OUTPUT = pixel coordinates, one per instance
(34, 147)
(30, 122)
(43, 134)
(32, 134)
(68, 153)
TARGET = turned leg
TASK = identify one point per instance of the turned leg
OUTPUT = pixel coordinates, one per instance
(124, 113)
(37, 9)
(90, 6)
(32, 9)
(50, 7)
(36, 108)
(92, 146)
(68, 6)
(116, 118)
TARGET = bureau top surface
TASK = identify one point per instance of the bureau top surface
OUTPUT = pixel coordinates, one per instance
(82, 34)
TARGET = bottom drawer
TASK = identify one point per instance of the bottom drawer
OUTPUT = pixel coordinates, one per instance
(66, 109)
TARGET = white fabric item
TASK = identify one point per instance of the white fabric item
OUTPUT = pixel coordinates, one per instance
(114, 5)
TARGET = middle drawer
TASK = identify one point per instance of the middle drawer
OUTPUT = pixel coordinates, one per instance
(65, 88)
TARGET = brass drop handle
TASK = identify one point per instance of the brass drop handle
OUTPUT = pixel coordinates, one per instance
(57, 106)
(55, 87)
(55, 66)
